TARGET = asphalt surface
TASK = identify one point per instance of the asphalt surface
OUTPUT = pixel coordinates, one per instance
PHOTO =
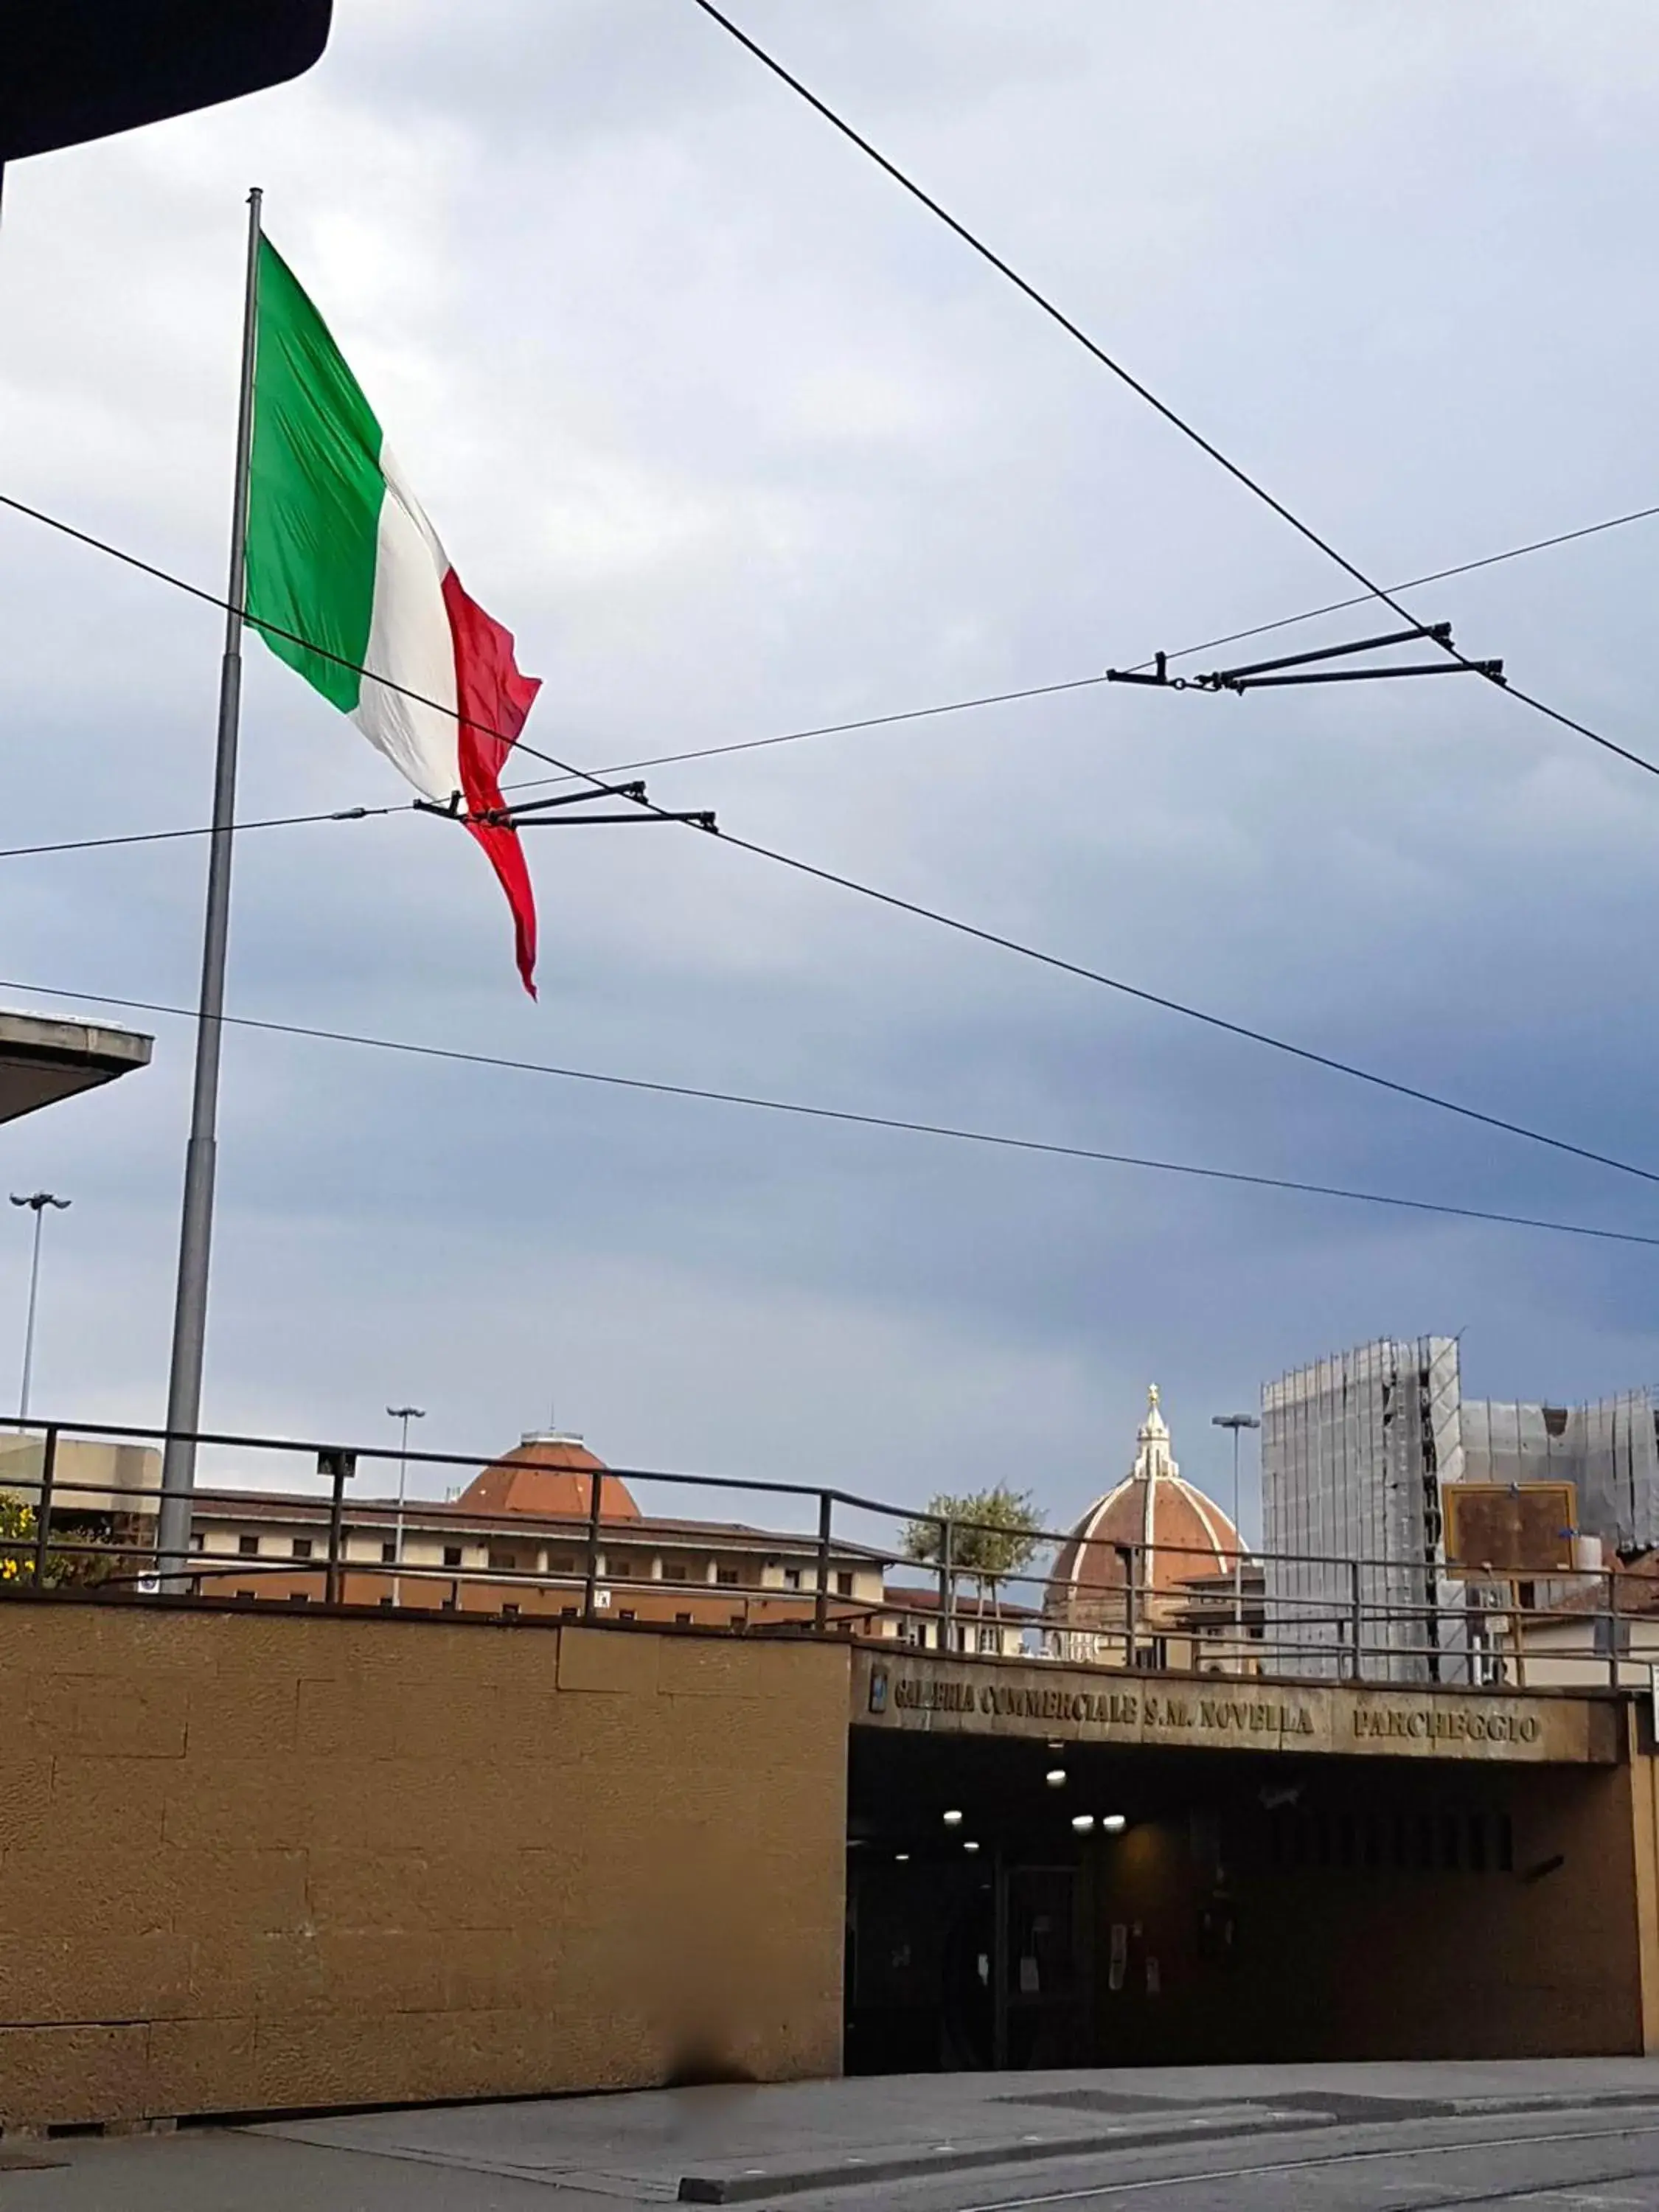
(1518, 2138)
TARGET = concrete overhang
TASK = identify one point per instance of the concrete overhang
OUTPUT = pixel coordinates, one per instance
(44, 1059)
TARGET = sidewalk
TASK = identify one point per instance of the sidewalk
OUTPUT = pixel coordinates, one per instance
(738, 2145)
(724, 2146)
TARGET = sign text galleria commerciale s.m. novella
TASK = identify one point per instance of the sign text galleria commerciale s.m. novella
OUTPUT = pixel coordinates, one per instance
(1326, 1717)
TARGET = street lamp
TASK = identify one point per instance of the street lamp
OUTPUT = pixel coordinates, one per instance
(37, 1202)
(405, 1414)
(1236, 1422)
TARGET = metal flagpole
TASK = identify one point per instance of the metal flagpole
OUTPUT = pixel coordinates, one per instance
(196, 1229)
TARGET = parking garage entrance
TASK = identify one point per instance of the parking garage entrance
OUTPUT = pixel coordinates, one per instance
(1051, 1869)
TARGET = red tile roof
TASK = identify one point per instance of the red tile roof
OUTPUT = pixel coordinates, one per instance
(550, 1477)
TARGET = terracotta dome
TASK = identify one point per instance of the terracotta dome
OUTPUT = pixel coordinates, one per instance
(548, 1475)
(1182, 1534)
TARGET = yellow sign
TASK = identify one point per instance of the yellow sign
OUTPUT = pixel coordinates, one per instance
(1505, 1529)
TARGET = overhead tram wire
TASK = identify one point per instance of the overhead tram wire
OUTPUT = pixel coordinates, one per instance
(1413, 583)
(790, 737)
(800, 1110)
(1176, 421)
(1090, 683)
(1220, 1022)
(891, 899)
(822, 729)
(202, 830)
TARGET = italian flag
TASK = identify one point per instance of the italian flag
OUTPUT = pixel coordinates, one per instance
(348, 582)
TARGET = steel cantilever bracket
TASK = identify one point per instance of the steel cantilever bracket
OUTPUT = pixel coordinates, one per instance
(541, 814)
(1300, 668)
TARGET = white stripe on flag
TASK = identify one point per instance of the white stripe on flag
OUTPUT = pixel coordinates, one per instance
(410, 641)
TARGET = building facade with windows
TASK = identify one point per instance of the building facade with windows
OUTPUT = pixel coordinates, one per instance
(516, 1541)
(977, 1623)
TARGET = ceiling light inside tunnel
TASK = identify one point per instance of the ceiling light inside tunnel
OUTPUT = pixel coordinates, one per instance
(1083, 1822)
(953, 1820)
(970, 1846)
(900, 1858)
(1055, 1778)
(1114, 1823)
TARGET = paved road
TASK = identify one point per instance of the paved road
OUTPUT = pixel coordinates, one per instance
(1534, 2138)
(1584, 2160)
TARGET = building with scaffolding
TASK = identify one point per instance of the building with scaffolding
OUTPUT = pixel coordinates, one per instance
(1609, 1451)
(1358, 1452)
(1354, 1449)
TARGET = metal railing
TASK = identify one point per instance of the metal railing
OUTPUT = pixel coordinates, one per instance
(835, 1570)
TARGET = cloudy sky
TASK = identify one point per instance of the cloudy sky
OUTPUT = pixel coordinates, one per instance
(738, 441)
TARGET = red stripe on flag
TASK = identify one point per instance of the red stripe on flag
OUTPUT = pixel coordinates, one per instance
(493, 698)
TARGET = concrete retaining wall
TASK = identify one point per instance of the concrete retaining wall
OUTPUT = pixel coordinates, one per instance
(253, 1861)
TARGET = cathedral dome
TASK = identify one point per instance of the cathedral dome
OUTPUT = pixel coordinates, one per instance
(1180, 1535)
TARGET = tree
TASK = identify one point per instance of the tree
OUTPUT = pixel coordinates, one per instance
(994, 1534)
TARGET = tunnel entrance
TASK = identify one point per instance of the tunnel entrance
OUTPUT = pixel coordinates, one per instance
(1015, 1903)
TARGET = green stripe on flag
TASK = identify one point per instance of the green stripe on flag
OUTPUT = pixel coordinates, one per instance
(315, 490)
